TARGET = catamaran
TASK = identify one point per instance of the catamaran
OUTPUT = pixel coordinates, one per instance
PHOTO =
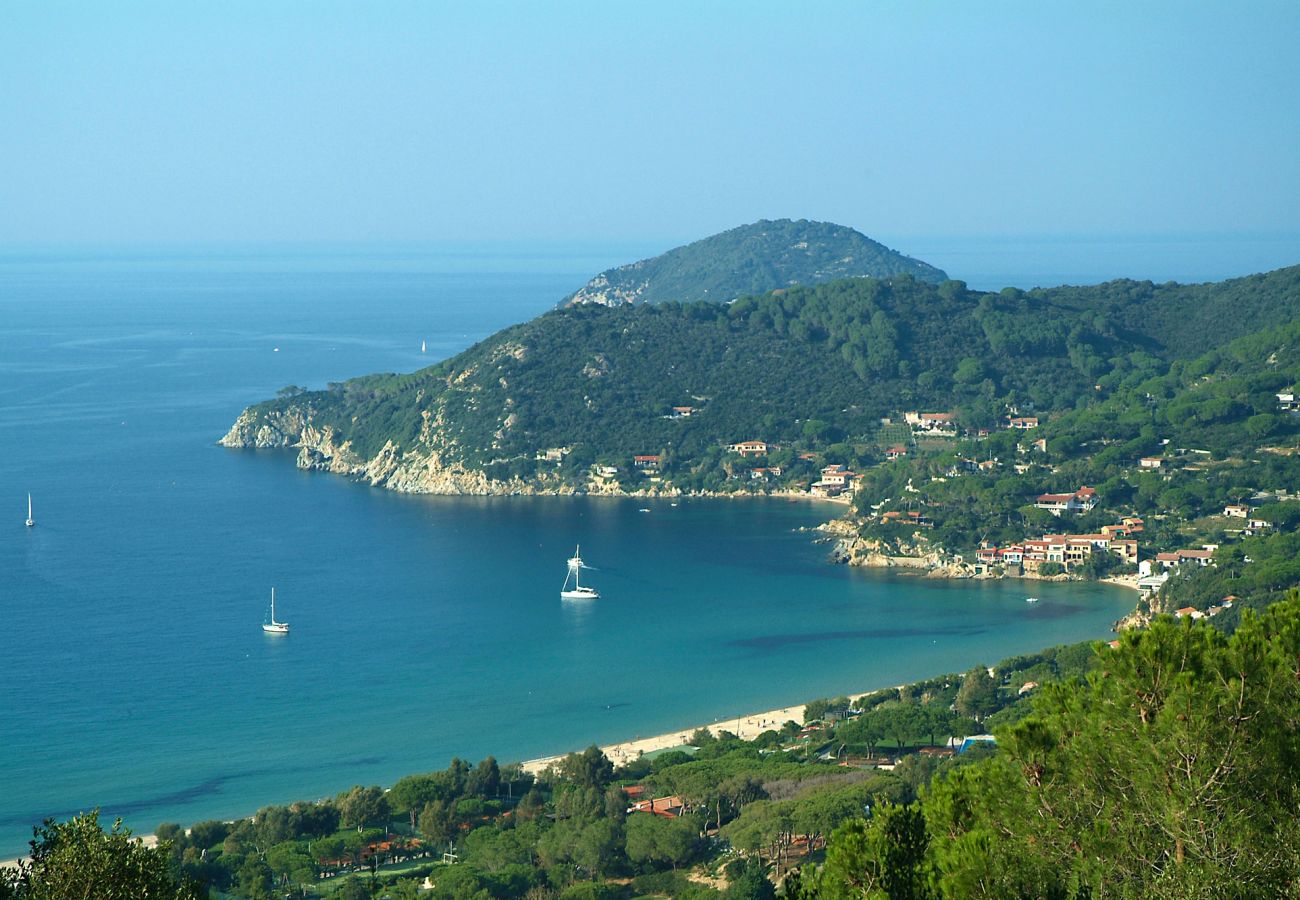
(30, 520)
(271, 626)
(578, 592)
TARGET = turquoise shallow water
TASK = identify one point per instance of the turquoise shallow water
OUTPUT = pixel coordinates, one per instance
(134, 675)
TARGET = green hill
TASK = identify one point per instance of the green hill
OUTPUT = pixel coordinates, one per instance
(807, 368)
(751, 259)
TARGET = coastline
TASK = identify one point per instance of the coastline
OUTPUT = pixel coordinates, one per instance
(747, 727)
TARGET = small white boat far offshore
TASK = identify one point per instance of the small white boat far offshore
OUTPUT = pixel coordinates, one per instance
(1031, 599)
(270, 626)
(423, 347)
(577, 592)
(30, 520)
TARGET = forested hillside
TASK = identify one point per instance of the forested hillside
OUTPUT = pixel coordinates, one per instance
(808, 368)
(751, 259)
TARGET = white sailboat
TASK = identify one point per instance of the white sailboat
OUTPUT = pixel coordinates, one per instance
(423, 347)
(271, 626)
(30, 520)
(577, 592)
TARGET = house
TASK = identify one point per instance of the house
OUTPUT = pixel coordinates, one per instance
(1255, 526)
(896, 452)
(762, 474)
(836, 474)
(915, 519)
(607, 471)
(1189, 612)
(750, 448)
(1151, 462)
(1286, 401)
(931, 423)
(649, 462)
(1082, 500)
(1023, 423)
(1152, 582)
(1236, 511)
(1040, 445)
(1026, 688)
(682, 412)
(1202, 557)
(667, 807)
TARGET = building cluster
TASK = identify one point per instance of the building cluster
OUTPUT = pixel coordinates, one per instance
(1069, 550)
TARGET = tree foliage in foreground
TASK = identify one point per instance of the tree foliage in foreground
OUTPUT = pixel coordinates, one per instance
(1172, 771)
(78, 858)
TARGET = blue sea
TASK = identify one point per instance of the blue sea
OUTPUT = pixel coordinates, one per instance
(134, 675)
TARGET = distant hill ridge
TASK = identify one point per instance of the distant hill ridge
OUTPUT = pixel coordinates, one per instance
(751, 259)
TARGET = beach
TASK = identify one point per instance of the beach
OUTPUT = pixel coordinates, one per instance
(745, 727)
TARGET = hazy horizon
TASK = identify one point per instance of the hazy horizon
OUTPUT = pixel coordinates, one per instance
(145, 122)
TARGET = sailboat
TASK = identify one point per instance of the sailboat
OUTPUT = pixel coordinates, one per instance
(271, 626)
(30, 520)
(578, 592)
(423, 346)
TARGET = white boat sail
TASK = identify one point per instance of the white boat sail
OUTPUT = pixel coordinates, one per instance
(423, 346)
(577, 592)
(271, 626)
(30, 520)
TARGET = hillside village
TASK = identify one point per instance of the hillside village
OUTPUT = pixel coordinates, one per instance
(934, 452)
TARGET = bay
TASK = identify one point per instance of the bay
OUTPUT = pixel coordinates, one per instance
(134, 674)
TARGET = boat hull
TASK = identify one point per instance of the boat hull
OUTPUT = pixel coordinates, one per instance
(580, 594)
(277, 628)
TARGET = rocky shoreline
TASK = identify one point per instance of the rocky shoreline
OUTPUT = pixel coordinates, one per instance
(425, 471)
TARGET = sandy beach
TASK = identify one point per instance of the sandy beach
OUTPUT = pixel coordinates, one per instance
(747, 727)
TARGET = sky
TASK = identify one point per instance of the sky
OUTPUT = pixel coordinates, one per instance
(432, 121)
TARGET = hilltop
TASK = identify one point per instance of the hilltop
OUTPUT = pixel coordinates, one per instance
(751, 259)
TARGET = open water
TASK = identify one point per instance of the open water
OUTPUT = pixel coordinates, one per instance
(134, 674)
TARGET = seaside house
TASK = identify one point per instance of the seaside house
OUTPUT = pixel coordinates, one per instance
(1286, 401)
(1023, 423)
(1171, 560)
(1082, 500)
(682, 412)
(1189, 612)
(835, 480)
(647, 463)
(1151, 462)
(751, 448)
(895, 452)
(1236, 511)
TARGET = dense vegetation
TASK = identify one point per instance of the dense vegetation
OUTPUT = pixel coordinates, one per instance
(812, 368)
(1164, 767)
(1171, 771)
(751, 259)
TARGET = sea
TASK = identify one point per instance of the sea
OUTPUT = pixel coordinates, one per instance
(134, 673)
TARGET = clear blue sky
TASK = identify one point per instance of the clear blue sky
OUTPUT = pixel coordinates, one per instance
(309, 121)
